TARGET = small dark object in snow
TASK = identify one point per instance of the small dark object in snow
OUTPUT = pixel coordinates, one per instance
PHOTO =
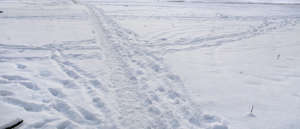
(13, 125)
(164, 39)
(1, 11)
(278, 56)
(251, 114)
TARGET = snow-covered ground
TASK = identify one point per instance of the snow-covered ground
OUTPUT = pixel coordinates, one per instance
(230, 56)
(124, 64)
(247, 1)
(66, 65)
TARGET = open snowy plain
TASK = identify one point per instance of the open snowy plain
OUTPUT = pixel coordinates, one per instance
(100, 64)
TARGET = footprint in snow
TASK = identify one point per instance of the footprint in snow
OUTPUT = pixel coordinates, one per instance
(56, 92)
(4, 81)
(30, 85)
(89, 115)
(66, 125)
(20, 66)
(40, 124)
(14, 77)
(28, 106)
(67, 111)
(68, 84)
(6, 93)
(45, 73)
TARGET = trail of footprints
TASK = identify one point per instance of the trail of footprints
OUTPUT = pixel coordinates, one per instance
(163, 104)
(268, 24)
(9, 97)
(76, 79)
(76, 75)
(147, 94)
(92, 87)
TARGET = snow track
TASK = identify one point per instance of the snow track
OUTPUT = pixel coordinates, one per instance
(174, 27)
(267, 26)
(104, 81)
(142, 104)
(68, 64)
(229, 55)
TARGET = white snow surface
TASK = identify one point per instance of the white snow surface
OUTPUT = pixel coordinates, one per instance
(249, 1)
(99, 64)
(66, 65)
(230, 56)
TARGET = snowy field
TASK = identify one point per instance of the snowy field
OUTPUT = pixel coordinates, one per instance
(150, 64)
(230, 56)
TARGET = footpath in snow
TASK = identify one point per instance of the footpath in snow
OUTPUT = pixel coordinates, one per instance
(230, 55)
(66, 65)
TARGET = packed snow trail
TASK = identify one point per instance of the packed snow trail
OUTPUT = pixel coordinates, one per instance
(229, 55)
(105, 82)
(129, 73)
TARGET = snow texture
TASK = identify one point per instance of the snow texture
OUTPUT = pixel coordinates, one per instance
(99, 64)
